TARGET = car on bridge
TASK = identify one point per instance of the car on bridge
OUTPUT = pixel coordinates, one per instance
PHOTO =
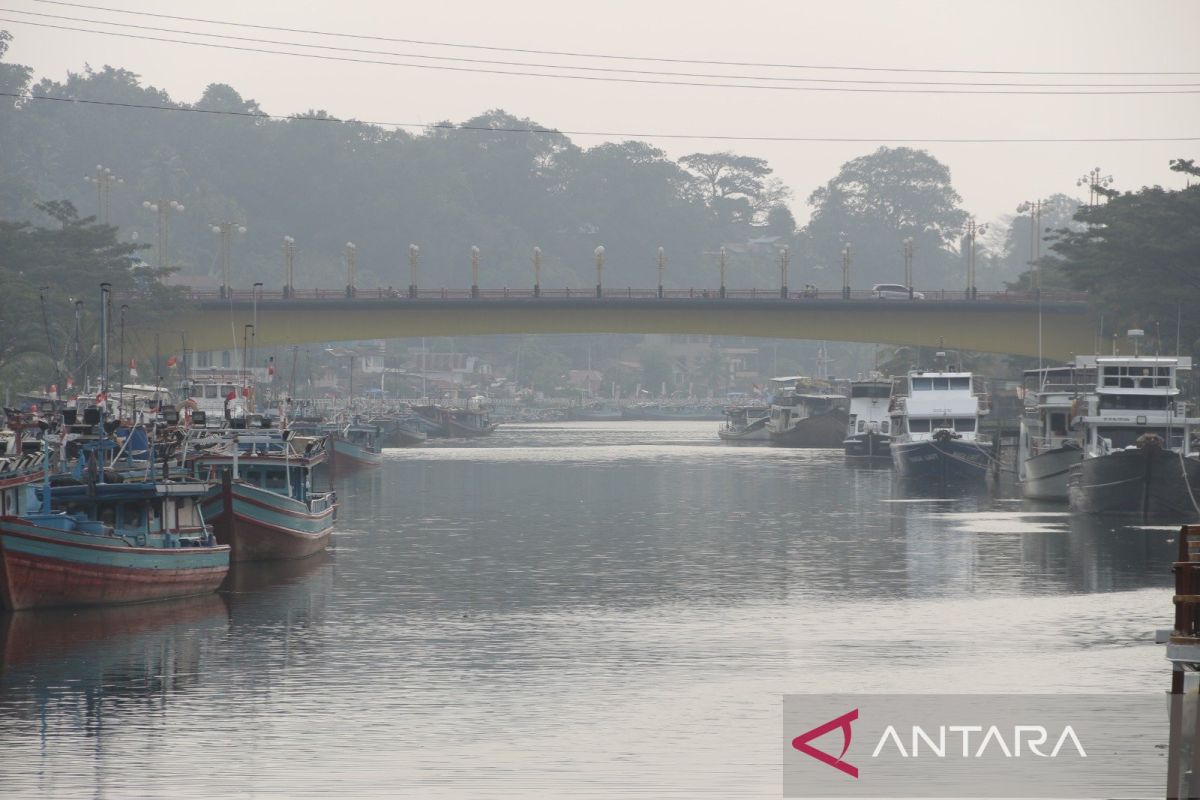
(895, 291)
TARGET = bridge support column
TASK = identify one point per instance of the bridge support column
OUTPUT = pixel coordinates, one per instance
(660, 292)
(783, 292)
(474, 290)
(537, 290)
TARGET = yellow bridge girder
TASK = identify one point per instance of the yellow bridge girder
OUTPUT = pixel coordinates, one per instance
(995, 326)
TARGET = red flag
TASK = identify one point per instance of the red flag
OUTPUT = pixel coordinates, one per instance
(101, 397)
(54, 391)
(70, 383)
(231, 396)
(172, 361)
(271, 366)
(133, 368)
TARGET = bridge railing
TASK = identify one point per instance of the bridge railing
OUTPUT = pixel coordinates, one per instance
(629, 293)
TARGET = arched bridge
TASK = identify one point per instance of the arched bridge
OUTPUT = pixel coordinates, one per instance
(998, 322)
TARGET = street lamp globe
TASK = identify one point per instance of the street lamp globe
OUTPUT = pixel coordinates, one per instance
(216, 228)
(600, 250)
(241, 228)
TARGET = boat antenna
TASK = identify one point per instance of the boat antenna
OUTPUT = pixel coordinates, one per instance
(1178, 326)
(46, 328)
(121, 388)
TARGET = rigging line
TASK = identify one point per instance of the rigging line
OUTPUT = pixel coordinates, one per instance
(606, 134)
(610, 56)
(535, 65)
(600, 79)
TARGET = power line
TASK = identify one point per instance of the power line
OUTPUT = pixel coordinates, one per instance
(609, 56)
(536, 65)
(604, 79)
(607, 134)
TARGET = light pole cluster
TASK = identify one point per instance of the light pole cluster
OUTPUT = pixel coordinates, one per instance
(226, 230)
(599, 270)
(973, 230)
(785, 259)
(289, 260)
(1096, 183)
(846, 272)
(104, 180)
(908, 265)
(1034, 209)
(163, 209)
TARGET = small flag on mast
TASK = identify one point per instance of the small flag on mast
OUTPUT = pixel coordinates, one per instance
(133, 368)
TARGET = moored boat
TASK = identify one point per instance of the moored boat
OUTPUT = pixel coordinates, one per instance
(935, 427)
(1051, 438)
(263, 503)
(356, 446)
(745, 424)
(869, 430)
(806, 413)
(1137, 450)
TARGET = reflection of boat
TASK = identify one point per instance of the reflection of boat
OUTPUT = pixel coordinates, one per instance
(869, 431)
(805, 413)
(745, 424)
(1050, 442)
(935, 426)
(264, 504)
(96, 543)
(1137, 454)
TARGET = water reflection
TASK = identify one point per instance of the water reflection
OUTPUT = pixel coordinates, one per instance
(555, 585)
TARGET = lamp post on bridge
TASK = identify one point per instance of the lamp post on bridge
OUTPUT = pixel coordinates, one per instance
(351, 252)
(1096, 184)
(785, 258)
(537, 272)
(289, 259)
(662, 264)
(474, 271)
(723, 257)
(972, 231)
(413, 252)
(104, 179)
(164, 209)
(1035, 240)
(846, 272)
(599, 271)
(908, 265)
(226, 230)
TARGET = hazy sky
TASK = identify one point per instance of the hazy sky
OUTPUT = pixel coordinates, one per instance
(1096, 35)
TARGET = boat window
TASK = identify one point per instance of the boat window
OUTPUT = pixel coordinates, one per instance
(918, 426)
(1141, 402)
(1127, 437)
(871, 391)
(922, 384)
(276, 480)
(941, 384)
(885, 426)
(226, 389)
(964, 424)
(210, 391)
(862, 425)
(960, 383)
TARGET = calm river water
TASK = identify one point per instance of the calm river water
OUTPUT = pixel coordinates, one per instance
(575, 610)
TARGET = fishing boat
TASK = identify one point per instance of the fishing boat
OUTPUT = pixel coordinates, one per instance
(262, 502)
(935, 426)
(457, 423)
(356, 446)
(400, 431)
(869, 431)
(806, 413)
(97, 543)
(745, 424)
(1137, 452)
(1051, 436)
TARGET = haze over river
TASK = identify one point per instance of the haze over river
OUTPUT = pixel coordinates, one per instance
(576, 610)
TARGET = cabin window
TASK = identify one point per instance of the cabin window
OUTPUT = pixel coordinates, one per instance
(276, 480)
(1127, 437)
(964, 425)
(1058, 424)
(210, 391)
(225, 360)
(918, 426)
(862, 425)
(885, 426)
(1116, 402)
(922, 384)
(940, 384)
(963, 384)
(227, 389)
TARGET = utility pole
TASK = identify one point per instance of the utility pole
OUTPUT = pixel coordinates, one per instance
(537, 272)
(846, 273)
(723, 258)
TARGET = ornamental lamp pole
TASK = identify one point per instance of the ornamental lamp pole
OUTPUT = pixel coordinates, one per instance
(226, 231)
(537, 272)
(413, 252)
(289, 259)
(846, 272)
(104, 179)
(1096, 183)
(351, 251)
(662, 264)
(474, 271)
(908, 265)
(599, 270)
(722, 257)
(785, 258)
(1035, 239)
(164, 209)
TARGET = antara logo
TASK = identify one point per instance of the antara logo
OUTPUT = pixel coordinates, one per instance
(801, 743)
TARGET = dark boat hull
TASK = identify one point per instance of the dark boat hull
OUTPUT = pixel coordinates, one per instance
(868, 445)
(951, 461)
(818, 431)
(1148, 481)
(263, 526)
(45, 568)
(403, 437)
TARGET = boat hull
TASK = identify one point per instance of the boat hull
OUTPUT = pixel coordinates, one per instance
(44, 567)
(403, 437)
(868, 445)
(818, 431)
(349, 456)
(1148, 481)
(1046, 473)
(951, 461)
(263, 526)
